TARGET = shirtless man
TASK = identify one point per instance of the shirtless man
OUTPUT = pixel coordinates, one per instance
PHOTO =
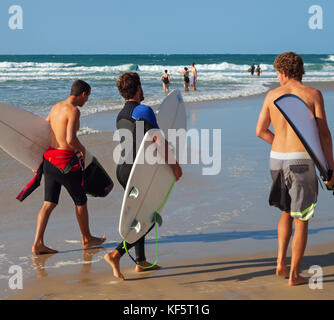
(295, 184)
(64, 147)
(193, 78)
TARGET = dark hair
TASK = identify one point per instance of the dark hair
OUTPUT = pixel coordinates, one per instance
(185, 68)
(166, 71)
(291, 64)
(193, 63)
(128, 84)
(80, 86)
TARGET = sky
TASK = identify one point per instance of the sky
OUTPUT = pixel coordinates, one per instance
(166, 27)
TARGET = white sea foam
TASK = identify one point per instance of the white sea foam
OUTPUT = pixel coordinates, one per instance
(72, 241)
(72, 263)
(330, 58)
(84, 131)
(20, 65)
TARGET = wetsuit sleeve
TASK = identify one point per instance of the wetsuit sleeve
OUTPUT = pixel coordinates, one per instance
(142, 112)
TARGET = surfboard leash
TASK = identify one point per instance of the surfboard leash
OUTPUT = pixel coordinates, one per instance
(156, 231)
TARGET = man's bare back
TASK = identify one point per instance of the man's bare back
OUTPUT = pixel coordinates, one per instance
(285, 140)
(64, 119)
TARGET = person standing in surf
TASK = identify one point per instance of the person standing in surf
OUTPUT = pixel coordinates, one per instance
(295, 186)
(165, 78)
(185, 78)
(65, 153)
(193, 78)
(133, 112)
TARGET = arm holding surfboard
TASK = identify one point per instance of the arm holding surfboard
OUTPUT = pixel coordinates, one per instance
(325, 135)
(166, 151)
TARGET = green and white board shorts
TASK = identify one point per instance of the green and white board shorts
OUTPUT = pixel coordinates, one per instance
(295, 184)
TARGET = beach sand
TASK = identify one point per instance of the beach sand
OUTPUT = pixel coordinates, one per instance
(246, 276)
(218, 240)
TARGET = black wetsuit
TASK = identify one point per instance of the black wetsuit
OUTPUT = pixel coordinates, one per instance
(127, 119)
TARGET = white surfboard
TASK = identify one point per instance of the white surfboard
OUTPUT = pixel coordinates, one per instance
(26, 136)
(171, 114)
(149, 185)
(303, 122)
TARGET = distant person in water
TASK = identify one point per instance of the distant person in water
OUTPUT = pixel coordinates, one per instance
(186, 79)
(193, 78)
(165, 78)
(65, 151)
(258, 70)
(252, 69)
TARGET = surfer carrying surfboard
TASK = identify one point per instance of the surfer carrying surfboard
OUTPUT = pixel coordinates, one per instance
(62, 167)
(295, 185)
(129, 86)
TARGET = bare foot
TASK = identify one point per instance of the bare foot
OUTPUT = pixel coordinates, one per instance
(93, 241)
(148, 266)
(113, 259)
(282, 271)
(42, 249)
(297, 281)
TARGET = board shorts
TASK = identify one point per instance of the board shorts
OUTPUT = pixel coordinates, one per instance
(295, 184)
(192, 80)
(72, 181)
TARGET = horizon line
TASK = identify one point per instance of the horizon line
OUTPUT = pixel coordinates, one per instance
(145, 54)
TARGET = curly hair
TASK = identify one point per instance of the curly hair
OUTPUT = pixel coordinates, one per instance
(291, 64)
(128, 84)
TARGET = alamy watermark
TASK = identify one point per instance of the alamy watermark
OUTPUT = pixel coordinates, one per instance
(15, 21)
(316, 280)
(15, 281)
(315, 22)
(186, 147)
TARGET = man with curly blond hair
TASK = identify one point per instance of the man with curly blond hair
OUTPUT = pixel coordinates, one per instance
(295, 185)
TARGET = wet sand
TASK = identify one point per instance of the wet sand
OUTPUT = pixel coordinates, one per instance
(220, 245)
(250, 276)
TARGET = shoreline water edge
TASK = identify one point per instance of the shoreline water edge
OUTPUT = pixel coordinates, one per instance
(212, 223)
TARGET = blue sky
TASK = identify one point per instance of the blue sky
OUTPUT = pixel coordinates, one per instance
(171, 26)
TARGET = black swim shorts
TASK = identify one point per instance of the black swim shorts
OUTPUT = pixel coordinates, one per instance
(72, 181)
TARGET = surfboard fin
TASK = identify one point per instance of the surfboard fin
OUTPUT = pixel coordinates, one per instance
(135, 225)
(157, 218)
(134, 193)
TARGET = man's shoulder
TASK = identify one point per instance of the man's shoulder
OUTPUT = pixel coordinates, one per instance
(67, 108)
(273, 94)
(143, 108)
(312, 91)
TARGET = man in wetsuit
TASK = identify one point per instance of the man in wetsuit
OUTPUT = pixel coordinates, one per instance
(295, 185)
(129, 117)
(62, 153)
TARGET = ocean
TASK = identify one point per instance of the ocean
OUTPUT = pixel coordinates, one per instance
(37, 82)
(227, 213)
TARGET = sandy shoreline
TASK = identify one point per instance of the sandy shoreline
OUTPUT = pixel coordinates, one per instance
(241, 277)
(236, 258)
